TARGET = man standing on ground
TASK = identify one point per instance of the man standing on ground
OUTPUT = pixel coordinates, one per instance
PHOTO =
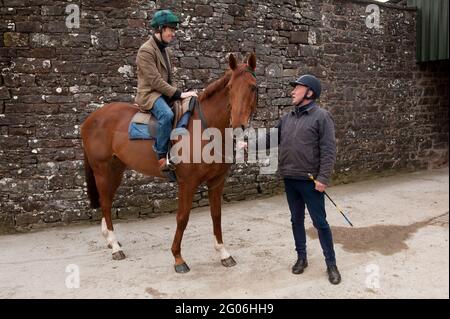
(307, 145)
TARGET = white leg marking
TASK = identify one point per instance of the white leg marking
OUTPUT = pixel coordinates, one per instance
(104, 228)
(111, 239)
(221, 248)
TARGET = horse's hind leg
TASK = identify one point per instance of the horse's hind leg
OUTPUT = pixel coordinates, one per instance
(108, 176)
(215, 203)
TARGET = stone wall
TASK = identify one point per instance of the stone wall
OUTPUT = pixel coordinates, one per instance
(391, 114)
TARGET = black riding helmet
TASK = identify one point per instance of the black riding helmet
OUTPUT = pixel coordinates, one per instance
(311, 82)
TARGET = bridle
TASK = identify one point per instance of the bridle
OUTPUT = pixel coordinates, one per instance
(249, 70)
(229, 107)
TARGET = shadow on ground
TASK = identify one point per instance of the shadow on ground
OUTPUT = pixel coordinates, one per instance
(385, 239)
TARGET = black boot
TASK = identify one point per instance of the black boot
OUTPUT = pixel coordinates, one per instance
(300, 266)
(333, 274)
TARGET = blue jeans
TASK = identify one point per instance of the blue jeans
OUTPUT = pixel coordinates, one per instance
(163, 113)
(299, 193)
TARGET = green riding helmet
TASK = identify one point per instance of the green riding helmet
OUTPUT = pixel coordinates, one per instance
(164, 18)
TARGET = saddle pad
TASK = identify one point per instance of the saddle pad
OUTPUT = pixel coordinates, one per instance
(139, 131)
(144, 126)
(139, 127)
(141, 118)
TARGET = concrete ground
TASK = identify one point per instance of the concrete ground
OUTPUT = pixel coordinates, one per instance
(398, 249)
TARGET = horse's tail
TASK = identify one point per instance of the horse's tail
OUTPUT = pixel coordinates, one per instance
(90, 181)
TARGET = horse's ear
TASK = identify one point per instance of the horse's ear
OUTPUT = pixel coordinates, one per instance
(252, 61)
(232, 61)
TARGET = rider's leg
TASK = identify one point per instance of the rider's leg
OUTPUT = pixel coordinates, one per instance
(164, 115)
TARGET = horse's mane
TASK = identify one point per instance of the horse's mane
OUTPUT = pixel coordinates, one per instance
(220, 83)
(215, 86)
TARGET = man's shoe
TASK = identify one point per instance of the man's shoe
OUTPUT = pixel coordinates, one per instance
(333, 274)
(300, 266)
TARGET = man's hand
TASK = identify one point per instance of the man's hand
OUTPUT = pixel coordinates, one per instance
(242, 145)
(189, 94)
(320, 187)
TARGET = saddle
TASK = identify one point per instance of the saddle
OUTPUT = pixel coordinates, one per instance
(144, 126)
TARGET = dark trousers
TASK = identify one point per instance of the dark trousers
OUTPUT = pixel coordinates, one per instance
(299, 193)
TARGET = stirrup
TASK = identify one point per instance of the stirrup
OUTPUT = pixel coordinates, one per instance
(169, 172)
(169, 163)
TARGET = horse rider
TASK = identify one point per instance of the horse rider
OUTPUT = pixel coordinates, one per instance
(155, 89)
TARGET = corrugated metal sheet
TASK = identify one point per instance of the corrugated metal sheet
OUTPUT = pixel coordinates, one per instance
(432, 29)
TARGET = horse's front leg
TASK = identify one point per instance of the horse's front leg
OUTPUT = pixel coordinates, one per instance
(215, 190)
(185, 196)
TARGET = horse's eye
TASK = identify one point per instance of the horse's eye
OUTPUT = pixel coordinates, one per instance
(253, 88)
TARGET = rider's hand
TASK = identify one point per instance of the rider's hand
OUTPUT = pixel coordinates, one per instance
(189, 94)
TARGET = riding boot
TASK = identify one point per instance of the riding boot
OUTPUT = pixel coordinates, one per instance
(300, 266)
(162, 163)
(333, 274)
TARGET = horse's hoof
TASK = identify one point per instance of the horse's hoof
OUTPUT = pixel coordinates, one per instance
(118, 255)
(229, 262)
(182, 269)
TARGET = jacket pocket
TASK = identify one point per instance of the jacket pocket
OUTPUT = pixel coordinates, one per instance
(305, 158)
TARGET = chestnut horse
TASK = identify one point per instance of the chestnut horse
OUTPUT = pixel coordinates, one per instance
(227, 102)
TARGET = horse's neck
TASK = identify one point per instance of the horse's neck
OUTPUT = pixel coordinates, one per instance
(216, 109)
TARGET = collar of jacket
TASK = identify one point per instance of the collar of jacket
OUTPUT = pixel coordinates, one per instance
(159, 54)
(299, 110)
(161, 45)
